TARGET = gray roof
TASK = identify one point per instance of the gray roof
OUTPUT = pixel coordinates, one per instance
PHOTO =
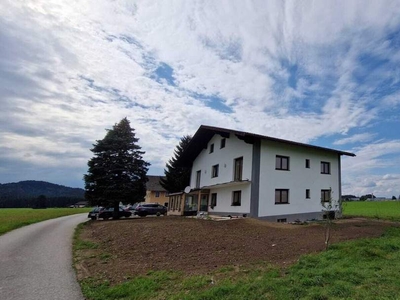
(153, 183)
(82, 203)
(205, 133)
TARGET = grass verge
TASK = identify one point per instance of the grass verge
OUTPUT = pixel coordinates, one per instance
(389, 210)
(13, 218)
(362, 269)
(80, 244)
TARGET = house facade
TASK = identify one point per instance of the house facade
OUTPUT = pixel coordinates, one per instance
(240, 173)
(155, 193)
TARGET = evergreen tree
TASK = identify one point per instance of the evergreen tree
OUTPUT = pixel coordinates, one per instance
(176, 177)
(117, 172)
(41, 202)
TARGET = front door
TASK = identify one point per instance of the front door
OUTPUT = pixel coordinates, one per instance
(204, 202)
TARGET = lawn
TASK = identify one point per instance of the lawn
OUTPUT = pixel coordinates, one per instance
(12, 218)
(389, 210)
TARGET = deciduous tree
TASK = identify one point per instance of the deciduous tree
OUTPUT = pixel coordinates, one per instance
(117, 172)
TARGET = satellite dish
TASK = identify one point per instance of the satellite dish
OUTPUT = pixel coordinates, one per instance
(187, 190)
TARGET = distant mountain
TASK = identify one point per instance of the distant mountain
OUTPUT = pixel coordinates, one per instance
(32, 188)
(24, 194)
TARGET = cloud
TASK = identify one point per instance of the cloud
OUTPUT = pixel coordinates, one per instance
(356, 138)
(374, 184)
(294, 70)
(380, 154)
(364, 169)
(367, 184)
(390, 177)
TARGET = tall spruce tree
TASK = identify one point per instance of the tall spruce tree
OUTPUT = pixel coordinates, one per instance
(117, 172)
(176, 177)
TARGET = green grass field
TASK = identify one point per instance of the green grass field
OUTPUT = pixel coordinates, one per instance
(389, 210)
(12, 218)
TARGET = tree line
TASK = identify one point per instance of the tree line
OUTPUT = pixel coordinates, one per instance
(37, 202)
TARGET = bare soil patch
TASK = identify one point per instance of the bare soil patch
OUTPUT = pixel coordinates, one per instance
(138, 245)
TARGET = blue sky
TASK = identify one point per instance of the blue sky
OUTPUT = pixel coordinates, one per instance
(319, 72)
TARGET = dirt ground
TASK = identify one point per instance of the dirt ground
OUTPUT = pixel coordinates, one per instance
(134, 246)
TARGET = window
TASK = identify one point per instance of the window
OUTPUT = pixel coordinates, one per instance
(190, 202)
(223, 143)
(238, 169)
(307, 163)
(213, 200)
(172, 201)
(166, 194)
(307, 193)
(214, 172)
(157, 194)
(282, 220)
(211, 148)
(325, 195)
(236, 198)
(282, 163)
(281, 196)
(325, 167)
(198, 177)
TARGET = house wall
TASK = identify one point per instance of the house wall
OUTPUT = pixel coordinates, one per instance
(297, 180)
(224, 200)
(151, 197)
(234, 148)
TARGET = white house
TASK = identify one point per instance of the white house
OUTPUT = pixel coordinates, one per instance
(241, 173)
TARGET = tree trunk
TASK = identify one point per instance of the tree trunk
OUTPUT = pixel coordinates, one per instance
(328, 231)
(116, 210)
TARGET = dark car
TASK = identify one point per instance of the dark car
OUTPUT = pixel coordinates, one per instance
(146, 209)
(132, 208)
(93, 214)
(108, 213)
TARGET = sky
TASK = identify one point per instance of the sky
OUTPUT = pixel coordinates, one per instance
(320, 72)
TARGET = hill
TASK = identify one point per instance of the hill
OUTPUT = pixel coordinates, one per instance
(25, 194)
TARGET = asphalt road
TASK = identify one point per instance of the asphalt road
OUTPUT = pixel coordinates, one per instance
(36, 261)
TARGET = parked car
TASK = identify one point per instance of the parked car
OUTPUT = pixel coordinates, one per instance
(145, 209)
(132, 208)
(108, 213)
(93, 214)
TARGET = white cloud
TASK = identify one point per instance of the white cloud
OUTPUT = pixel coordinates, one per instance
(356, 138)
(373, 155)
(374, 184)
(359, 171)
(390, 177)
(286, 69)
